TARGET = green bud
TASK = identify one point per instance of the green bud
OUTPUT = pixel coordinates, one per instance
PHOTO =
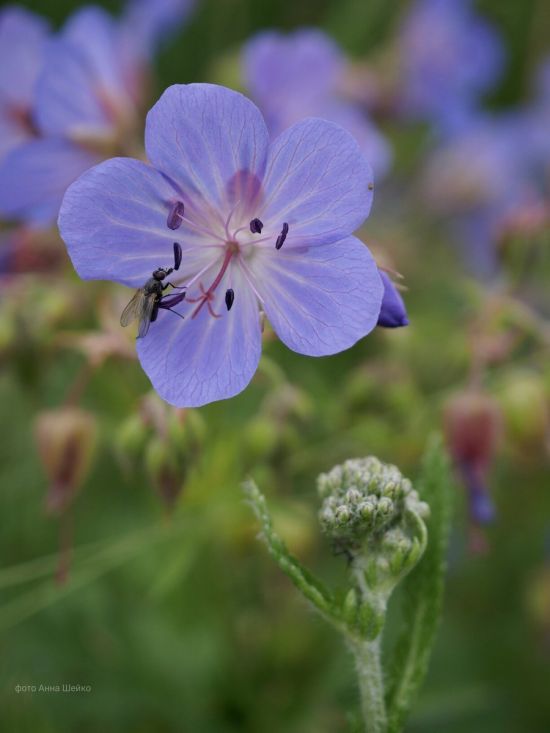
(524, 402)
(177, 430)
(261, 437)
(353, 496)
(184, 430)
(386, 506)
(367, 508)
(164, 472)
(195, 425)
(342, 514)
(131, 436)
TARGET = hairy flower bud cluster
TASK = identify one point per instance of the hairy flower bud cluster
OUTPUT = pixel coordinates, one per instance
(366, 500)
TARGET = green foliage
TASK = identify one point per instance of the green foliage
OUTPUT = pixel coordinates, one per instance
(423, 591)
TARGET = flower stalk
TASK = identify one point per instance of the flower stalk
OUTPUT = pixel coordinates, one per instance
(370, 678)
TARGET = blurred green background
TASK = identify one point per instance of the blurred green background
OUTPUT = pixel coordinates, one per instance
(178, 620)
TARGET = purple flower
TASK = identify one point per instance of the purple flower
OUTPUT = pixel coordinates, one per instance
(449, 58)
(271, 223)
(393, 313)
(300, 75)
(23, 37)
(476, 180)
(149, 23)
(85, 105)
(536, 116)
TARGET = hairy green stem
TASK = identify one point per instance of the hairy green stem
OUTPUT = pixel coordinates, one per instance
(371, 684)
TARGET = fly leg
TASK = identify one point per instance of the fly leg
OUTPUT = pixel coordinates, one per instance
(167, 308)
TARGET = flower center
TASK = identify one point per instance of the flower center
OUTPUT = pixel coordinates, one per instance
(231, 247)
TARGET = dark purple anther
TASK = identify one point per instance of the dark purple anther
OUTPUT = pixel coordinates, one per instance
(177, 255)
(256, 226)
(174, 215)
(229, 298)
(282, 236)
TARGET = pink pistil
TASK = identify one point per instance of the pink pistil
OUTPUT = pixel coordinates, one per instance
(208, 295)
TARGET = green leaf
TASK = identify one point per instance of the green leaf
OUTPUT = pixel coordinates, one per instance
(423, 591)
(310, 587)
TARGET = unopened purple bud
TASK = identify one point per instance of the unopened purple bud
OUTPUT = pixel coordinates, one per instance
(393, 313)
(175, 215)
(256, 226)
(282, 236)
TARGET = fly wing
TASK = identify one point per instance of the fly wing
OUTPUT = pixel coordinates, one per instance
(145, 315)
(134, 308)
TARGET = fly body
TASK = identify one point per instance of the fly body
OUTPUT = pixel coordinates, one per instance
(148, 299)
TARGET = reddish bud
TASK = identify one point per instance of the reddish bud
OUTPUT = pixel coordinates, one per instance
(472, 424)
(65, 439)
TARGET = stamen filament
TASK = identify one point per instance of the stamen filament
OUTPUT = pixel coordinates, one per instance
(249, 278)
(200, 229)
(228, 220)
(198, 275)
(257, 241)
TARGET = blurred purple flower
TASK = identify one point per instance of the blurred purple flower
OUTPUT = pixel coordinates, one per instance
(85, 101)
(536, 117)
(393, 313)
(148, 22)
(449, 57)
(301, 75)
(260, 225)
(23, 37)
(476, 180)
